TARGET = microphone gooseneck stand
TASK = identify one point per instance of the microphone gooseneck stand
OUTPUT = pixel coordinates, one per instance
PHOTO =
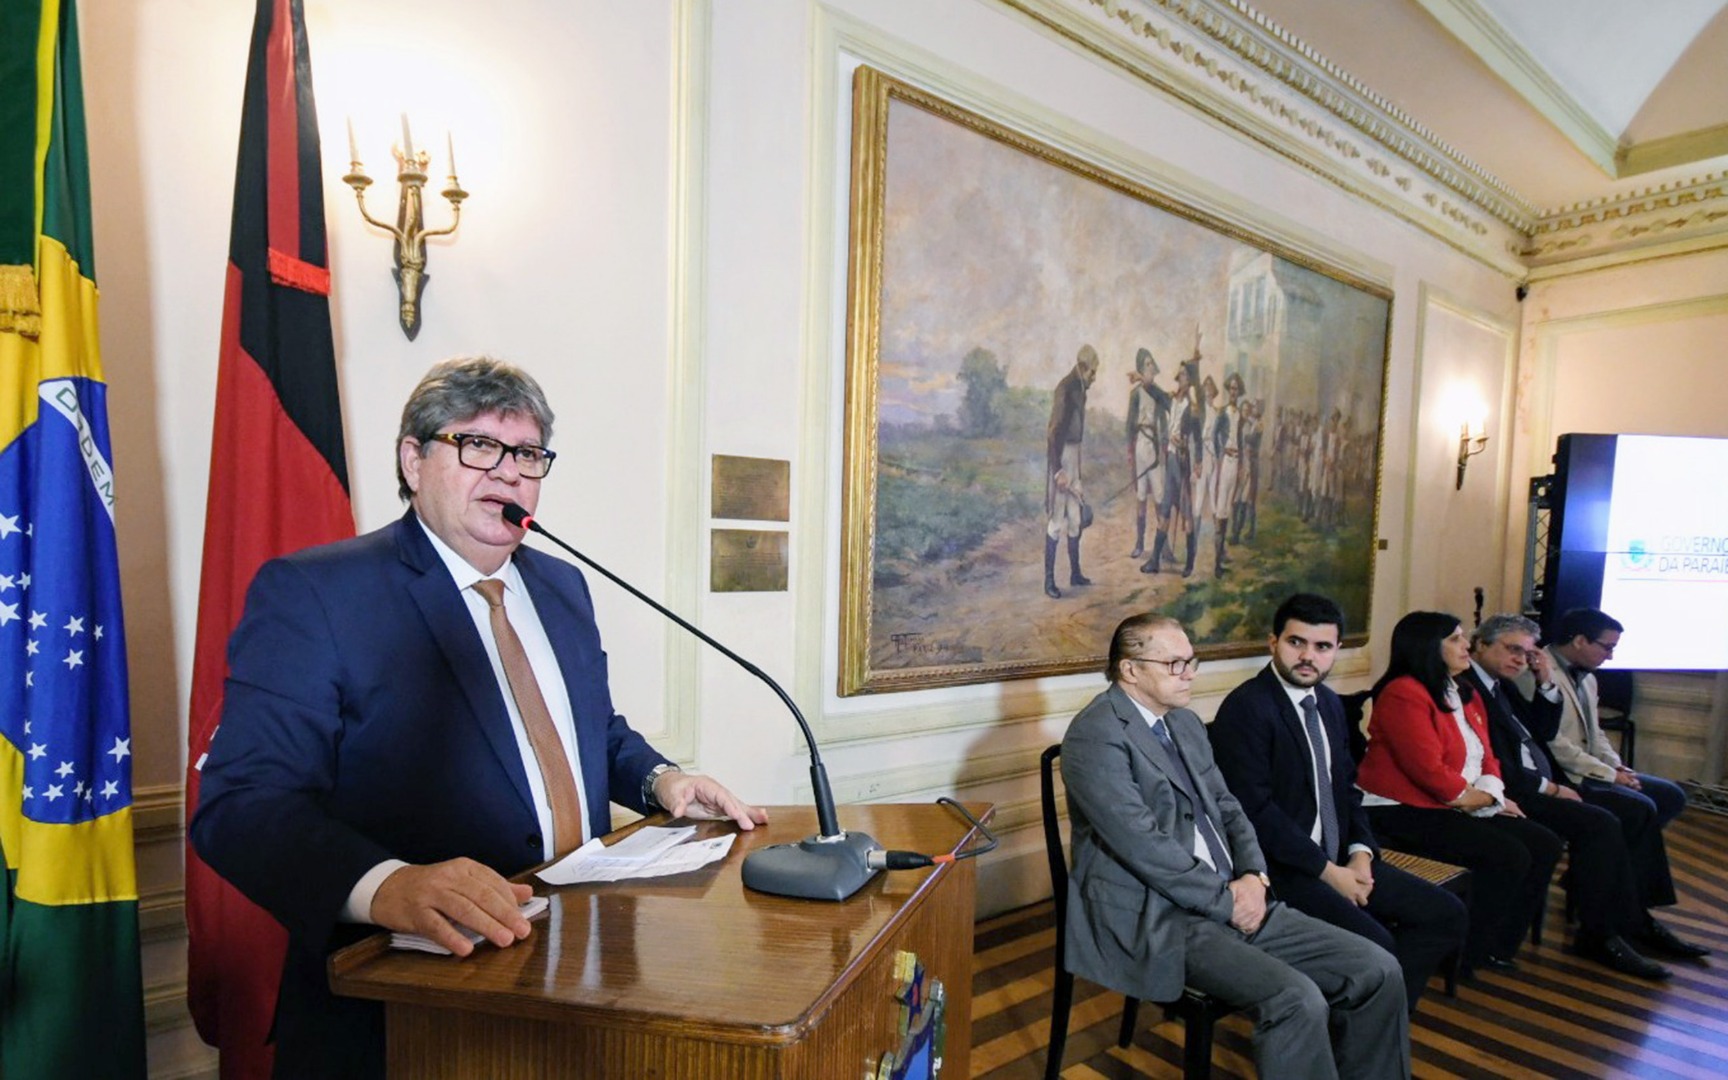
(831, 865)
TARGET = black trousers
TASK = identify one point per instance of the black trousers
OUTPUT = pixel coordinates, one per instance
(1642, 815)
(1602, 880)
(1416, 922)
(1510, 860)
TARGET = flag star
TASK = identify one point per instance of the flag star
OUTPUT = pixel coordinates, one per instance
(78, 789)
(31, 647)
(74, 626)
(8, 613)
(54, 792)
(23, 581)
(8, 525)
(7, 582)
(26, 727)
(38, 620)
(98, 631)
(29, 792)
(110, 789)
(64, 770)
(122, 749)
(30, 530)
(38, 751)
(74, 658)
(29, 678)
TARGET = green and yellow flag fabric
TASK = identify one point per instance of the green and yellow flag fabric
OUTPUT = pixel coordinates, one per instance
(71, 1002)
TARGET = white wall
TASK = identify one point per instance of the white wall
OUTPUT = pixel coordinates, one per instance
(1637, 348)
(657, 231)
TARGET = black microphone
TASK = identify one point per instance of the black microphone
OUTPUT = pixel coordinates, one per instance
(831, 865)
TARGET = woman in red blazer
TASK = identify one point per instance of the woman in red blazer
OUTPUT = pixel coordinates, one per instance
(1432, 787)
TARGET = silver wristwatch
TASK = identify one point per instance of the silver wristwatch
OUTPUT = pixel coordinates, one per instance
(654, 774)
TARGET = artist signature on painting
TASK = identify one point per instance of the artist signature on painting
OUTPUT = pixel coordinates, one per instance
(911, 644)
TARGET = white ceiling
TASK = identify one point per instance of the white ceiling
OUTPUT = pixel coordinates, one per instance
(1563, 101)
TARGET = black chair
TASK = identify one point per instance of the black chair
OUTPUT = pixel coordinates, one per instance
(1614, 709)
(1198, 1012)
(1355, 705)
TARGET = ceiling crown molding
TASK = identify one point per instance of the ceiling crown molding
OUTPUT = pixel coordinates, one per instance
(1233, 65)
(1482, 34)
(1632, 221)
(1238, 68)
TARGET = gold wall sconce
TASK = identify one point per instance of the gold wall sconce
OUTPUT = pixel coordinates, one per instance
(409, 232)
(1472, 440)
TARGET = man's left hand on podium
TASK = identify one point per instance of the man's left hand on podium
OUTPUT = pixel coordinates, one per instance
(704, 798)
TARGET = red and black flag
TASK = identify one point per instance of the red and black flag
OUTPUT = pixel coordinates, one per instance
(278, 482)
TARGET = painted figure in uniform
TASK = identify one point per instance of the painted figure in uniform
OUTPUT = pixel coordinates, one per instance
(1248, 478)
(1225, 445)
(1186, 425)
(1148, 434)
(1064, 496)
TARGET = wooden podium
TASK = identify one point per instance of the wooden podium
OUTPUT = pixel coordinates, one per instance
(693, 976)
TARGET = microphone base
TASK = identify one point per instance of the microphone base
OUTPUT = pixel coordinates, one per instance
(812, 869)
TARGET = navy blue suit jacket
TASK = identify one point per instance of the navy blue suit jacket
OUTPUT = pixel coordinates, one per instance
(1262, 750)
(1507, 711)
(362, 721)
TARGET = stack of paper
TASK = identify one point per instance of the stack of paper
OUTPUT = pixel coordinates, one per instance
(653, 851)
(531, 908)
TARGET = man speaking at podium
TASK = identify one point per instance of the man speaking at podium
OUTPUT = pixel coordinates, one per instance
(414, 714)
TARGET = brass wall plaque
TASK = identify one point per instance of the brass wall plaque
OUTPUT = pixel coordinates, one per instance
(747, 560)
(752, 489)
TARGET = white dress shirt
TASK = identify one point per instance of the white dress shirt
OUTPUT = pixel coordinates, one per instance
(1201, 851)
(519, 607)
(1318, 753)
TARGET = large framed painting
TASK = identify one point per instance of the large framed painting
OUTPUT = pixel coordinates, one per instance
(1070, 398)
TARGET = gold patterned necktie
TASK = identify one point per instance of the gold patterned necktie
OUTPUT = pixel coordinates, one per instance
(555, 772)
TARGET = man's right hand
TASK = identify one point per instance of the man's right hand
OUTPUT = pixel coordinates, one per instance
(1351, 887)
(1561, 791)
(1248, 903)
(428, 899)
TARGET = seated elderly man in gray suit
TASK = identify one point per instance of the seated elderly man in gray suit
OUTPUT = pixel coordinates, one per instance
(1169, 886)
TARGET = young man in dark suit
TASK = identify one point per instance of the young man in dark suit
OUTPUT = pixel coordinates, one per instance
(1610, 915)
(1169, 888)
(1281, 741)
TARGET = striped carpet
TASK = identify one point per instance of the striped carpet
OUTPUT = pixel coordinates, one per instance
(1558, 1016)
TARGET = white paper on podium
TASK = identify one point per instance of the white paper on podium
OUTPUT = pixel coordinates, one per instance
(531, 908)
(648, 852)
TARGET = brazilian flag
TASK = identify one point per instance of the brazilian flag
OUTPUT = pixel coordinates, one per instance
(71, 1000)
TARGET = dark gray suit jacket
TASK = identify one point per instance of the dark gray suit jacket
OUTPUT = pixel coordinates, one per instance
(1136, 885)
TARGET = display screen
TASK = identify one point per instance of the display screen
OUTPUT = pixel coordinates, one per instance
(1640, 530)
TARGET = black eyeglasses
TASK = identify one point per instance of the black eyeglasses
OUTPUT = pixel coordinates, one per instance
(485, 453)
(1605, 646)
(1180, 666)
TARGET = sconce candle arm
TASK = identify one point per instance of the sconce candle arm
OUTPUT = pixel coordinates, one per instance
(1469, 445)
(360, 199)
(409, 232)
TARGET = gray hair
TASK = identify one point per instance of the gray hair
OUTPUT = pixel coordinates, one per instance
(1495, 627)
(462, 388)
(1131, 636)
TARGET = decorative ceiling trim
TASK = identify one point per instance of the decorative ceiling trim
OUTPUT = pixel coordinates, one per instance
(1671, 150)
(1684, 209)
(1240, 72)
(1239, 69)
(1482, 34)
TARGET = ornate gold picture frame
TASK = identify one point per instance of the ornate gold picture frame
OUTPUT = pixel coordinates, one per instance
(1070, 398)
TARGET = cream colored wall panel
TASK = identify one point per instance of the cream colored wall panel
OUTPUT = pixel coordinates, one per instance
(1457, 543)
